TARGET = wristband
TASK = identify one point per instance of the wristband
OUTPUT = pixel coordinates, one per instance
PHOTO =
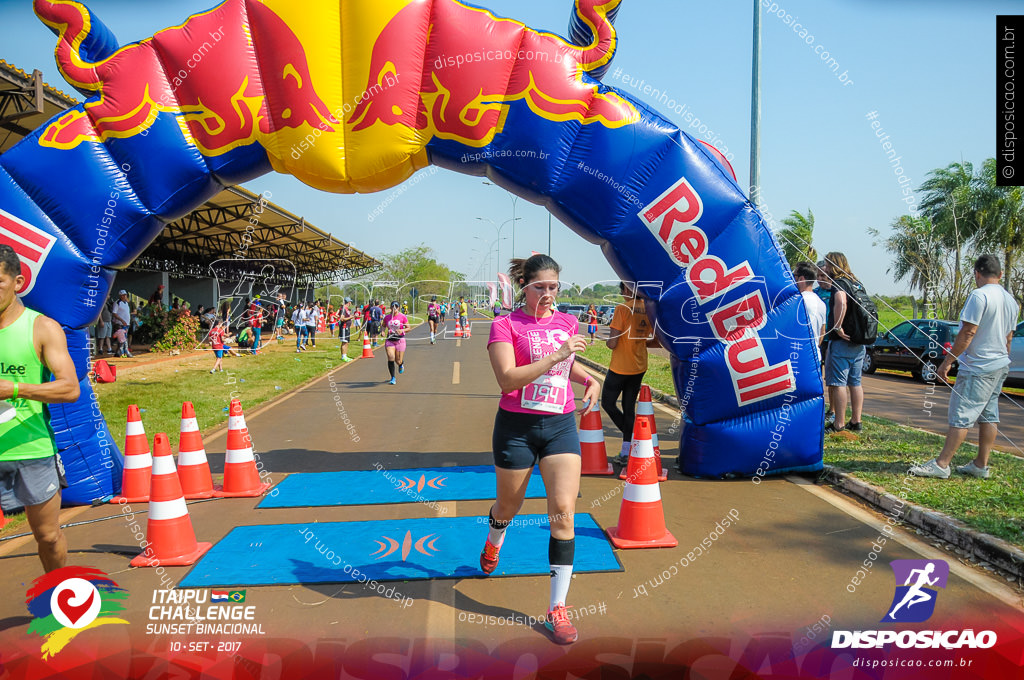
(15, 395)
(586, 381)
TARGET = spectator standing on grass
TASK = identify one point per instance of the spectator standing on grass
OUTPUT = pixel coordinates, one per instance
(805, 275)
(629, 336)
(31, 473)
(121, 335)
(121, 313)
(312, 321)
(592, 323)
(824, 291)
(982, 346)
(299, 320)
(256, 322)
(345, 317)
(104, 329)
(845, 358)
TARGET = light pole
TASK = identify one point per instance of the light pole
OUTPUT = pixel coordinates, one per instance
(515, 199)
(755, 110)
(497, 234)
(493, 245)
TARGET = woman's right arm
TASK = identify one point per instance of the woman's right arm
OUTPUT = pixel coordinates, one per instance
(511, 377)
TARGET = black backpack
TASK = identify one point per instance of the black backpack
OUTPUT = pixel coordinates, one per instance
(861, 322)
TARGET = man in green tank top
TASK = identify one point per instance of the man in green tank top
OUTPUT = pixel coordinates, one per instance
(33, 349)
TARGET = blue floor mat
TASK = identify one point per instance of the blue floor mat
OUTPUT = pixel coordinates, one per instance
(372, 487)
(388, 550)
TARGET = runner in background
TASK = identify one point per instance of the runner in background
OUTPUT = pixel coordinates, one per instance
(217, 343)
(592, 323)
(433, 317)
(396, 325)
(532, 352)
(444, 312)
(376, 320)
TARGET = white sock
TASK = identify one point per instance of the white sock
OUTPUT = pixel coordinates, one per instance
(496, 536)
(561, 577)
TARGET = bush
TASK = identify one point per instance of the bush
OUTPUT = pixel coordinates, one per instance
(172, 330)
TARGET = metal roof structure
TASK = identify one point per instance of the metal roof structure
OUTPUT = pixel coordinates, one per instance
(236, 229)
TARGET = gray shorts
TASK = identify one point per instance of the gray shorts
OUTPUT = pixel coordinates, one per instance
(975, 398)
(30, 482)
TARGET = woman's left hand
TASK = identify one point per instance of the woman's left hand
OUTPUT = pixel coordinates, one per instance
(590, 395)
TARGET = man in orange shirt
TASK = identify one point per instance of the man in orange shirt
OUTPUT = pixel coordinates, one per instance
(629, 337)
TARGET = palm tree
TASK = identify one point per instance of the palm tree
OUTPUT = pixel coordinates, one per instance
(918, 252)
(950, 201)
(1000, 220)
(797, 237)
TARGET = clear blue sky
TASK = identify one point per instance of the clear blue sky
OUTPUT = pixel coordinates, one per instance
(925, 66)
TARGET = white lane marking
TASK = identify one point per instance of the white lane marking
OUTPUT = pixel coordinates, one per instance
(455, 373)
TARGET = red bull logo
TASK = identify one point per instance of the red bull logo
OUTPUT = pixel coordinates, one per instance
(477, 64)
(218, 108)
(30, 243)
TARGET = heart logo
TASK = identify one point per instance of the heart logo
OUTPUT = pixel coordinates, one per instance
(73, 612)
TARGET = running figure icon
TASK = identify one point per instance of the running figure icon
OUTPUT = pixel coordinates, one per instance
(916, 594)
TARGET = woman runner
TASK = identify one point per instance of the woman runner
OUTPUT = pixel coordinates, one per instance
(592, 322)
(395, 326)
(433, 317)
(532, 353)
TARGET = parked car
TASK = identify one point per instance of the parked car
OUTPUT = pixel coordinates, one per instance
(575, 310)
(1016, 376)
(918, 346)
(605, 313)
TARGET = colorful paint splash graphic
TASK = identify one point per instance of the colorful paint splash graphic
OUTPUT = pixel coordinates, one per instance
(69, 601)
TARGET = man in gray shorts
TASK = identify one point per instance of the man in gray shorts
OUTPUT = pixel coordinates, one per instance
(32, 349)
(983, 347)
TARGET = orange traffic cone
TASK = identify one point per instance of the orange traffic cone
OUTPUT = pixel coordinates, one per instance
(467, 334)
(458, 329)
(367, 350)
(595, 455)
(138, 463)
(241, 478)
(645, 407)
(641, 517)
(193, 468)
(170, 539)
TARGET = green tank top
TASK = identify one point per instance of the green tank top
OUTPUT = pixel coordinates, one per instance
(28, 435)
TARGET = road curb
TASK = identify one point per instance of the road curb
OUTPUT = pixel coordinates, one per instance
(976, 544)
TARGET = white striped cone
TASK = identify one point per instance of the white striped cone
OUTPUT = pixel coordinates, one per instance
(641, 517)
(645, 407)
(138, 462)
(193, 468)
(170, 539)
(595, 455)
(241, 478)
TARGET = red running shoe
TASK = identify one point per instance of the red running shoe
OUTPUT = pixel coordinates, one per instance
(489, 557)
(562, 630)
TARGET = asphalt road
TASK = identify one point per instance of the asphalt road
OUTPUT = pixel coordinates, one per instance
(787, 563)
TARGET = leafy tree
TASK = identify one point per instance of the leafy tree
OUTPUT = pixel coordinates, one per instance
(950, 200)
(797, 238)
(1000, 221)
(919, 255)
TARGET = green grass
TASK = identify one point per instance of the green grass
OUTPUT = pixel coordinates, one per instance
(890, 318)
(884, 451)
(659, 373)
(161, 388)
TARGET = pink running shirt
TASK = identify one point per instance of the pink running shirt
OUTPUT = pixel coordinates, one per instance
(532, 339)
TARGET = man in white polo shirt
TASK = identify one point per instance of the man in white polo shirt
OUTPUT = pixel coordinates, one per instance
(983, 348)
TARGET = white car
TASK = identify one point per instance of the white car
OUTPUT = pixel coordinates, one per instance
(1016, 376)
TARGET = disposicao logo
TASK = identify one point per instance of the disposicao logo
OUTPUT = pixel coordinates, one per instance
(69, 601)
(914, 602)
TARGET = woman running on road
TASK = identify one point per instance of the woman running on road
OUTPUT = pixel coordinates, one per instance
(396, 325)
(532, 352)
(433, 317)
(592, 323)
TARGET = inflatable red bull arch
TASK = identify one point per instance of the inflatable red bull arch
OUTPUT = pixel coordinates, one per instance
(356, 96)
